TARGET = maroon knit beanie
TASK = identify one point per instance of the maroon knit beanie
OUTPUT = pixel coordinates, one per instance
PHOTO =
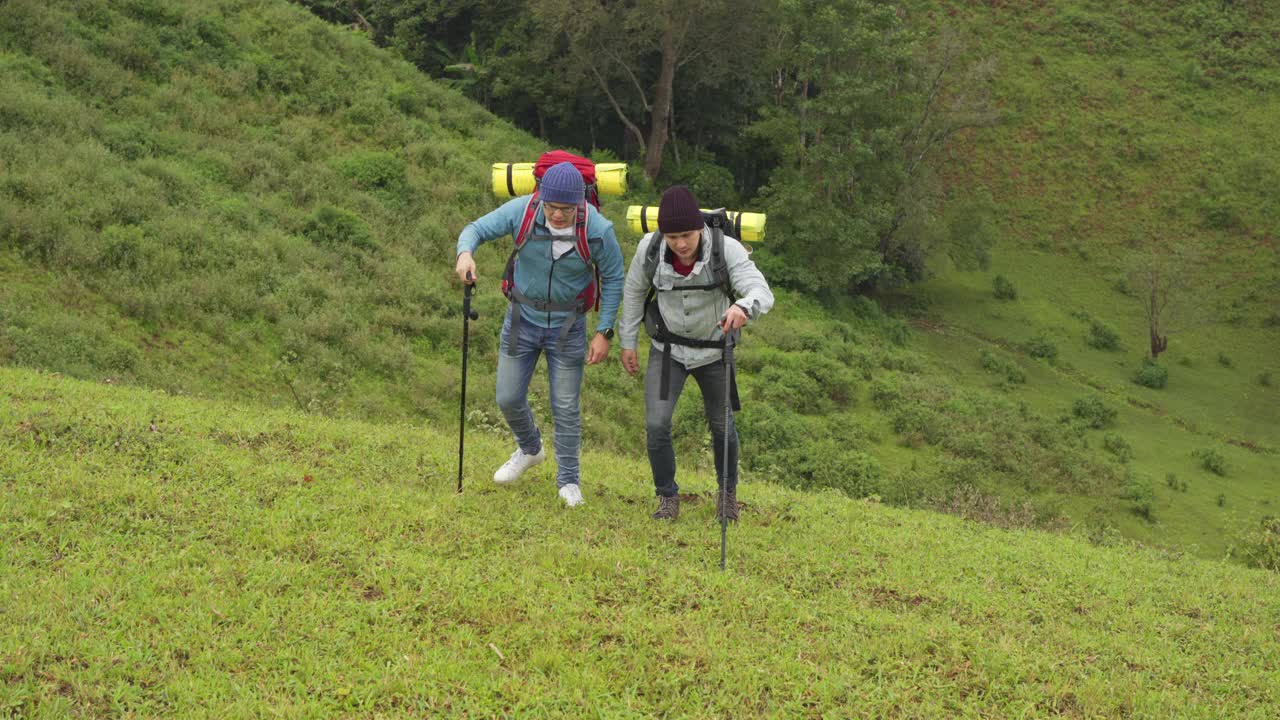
(678, 211)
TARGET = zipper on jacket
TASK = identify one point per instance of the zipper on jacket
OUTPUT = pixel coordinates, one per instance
(550, 274)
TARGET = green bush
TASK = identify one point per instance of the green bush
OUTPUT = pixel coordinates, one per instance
(335, 226)
(1003, 288)
(1225, 360)
(1262, 550)
(1041, 347)
(1103, 337)
(372, 170)
(830, 464)
(1011, 371)
(1152, 374)
(1212, 460)
(1118, 446)
(1264, 378)
(1138, 490)
(1094, 412)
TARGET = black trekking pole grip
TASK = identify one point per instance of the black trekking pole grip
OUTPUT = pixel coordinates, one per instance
(467, 315)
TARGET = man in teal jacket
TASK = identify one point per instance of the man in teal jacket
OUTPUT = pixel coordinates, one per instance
(548, 315)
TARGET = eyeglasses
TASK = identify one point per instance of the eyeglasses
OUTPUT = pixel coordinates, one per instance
(561, 210)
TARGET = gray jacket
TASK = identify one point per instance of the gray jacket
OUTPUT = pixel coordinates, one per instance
(692, 314)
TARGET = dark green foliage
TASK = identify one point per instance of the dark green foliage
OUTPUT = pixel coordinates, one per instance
(1225, 360)
(1103, 337)
(1262, 548)
(1118, 446)
(334, 226)
(1138, 490)
(1222, 500)
(713, 184)
(1003, 288)
(1212, 460)
(805, 382)
(1041, 347)
(1152, 374)
(372, 170)
(1094, 412)
(1007, 368)
(1264, 378)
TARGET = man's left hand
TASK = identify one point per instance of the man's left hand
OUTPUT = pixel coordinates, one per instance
(733, 319)
(599, 349)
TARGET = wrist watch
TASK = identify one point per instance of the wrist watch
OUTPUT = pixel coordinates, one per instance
(607, 333)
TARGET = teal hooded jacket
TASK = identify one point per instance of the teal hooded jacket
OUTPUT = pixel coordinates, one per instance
(542, 277)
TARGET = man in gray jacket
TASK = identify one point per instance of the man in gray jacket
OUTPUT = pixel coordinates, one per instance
(684, 290)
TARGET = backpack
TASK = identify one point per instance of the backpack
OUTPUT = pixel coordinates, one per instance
(657, 329)
(590, 296)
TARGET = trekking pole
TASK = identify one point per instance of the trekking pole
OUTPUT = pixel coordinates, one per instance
(729, 339)
(467, 316)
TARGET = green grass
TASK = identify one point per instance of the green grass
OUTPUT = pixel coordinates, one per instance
(1124, 127)
(234, 200)
(168, 555)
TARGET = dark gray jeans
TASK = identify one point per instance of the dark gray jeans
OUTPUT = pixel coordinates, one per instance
(657, 420)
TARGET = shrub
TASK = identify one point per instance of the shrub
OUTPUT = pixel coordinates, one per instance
(1212, 460)
(1152, 374)
(1041, 347)
(1103, 337)
(1138, 491)
(1264, 379)
(991, 362)
(1118, 446)
(1004, 288)
(1271, 321)
(331, 225)
(1222, 500)
(1263, 549)
(829, 464)
(372, 170)
(1095, 412)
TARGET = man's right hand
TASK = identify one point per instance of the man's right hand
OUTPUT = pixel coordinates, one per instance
(631, 362)
(466, 264)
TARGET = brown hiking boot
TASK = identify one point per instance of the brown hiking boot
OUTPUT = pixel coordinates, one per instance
(731, 501)
(668, 508)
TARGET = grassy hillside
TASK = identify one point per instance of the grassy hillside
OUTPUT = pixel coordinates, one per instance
(168, 555)
(1131, 128)
(235, 200)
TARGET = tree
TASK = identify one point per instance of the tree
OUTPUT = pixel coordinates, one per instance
(1162, 279)
(634, 52)
(839, 106)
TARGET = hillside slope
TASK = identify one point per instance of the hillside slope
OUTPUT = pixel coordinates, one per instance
(167, 555)
(232, 199)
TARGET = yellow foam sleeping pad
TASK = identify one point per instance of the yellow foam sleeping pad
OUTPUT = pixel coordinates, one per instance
(745, 226)
(514, 179)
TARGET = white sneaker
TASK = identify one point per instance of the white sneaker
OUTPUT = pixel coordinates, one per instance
(512, 469)
(571, 495)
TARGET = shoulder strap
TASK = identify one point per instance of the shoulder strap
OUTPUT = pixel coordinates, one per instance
(584, 249)
(651, 254)
(526, 224)
(720, 266)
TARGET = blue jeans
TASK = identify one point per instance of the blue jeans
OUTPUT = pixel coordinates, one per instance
(657, 421)
(564, 370)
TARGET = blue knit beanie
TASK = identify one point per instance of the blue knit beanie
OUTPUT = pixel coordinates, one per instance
(562, 183)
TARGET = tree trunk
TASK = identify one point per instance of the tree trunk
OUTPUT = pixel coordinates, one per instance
(1158, 344)
(660, 115)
